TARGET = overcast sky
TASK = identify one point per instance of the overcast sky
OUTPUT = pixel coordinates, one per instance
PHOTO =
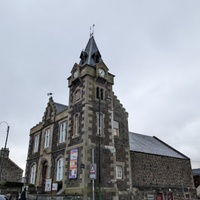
(151, 46)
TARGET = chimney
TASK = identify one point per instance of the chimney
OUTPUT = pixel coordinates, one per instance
(4, 153)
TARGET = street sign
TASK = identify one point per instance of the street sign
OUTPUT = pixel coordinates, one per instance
(92, 171)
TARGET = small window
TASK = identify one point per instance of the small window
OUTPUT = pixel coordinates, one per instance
(99, 93)
(62, 132)
(33, 174)
(47, 138)
(99, 123)
(76, 125)
(116, 128)
(119, 172)
(36, 143)
(59, 175)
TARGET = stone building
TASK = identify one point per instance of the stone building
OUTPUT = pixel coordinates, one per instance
(83, 148)
(10, 172)
(158, 170)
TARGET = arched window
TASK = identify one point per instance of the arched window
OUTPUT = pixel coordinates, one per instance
(33, 174)
(63, 127)
(59, 174)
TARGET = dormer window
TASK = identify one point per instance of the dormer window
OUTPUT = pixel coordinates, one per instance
(83, 57)
(96, 56)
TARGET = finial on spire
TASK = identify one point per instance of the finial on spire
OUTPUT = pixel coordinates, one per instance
(92, 30)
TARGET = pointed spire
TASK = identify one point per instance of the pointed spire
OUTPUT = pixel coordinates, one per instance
(91, 55)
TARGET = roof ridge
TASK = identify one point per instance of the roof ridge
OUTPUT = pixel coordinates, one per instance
(152, 145)
(60, 104)
(170, 147)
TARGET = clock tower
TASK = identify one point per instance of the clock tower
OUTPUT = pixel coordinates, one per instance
(95, 130)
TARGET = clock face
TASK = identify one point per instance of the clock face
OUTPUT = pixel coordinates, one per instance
(76, 73)
(101, 72)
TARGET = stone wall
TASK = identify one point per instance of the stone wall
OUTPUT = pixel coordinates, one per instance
(161, 174)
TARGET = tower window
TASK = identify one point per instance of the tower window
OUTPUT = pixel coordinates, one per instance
(76, 124)
(116, 128)
(99, 124)
(99, 93)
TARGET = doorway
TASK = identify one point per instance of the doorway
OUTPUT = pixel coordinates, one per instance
(44, 174)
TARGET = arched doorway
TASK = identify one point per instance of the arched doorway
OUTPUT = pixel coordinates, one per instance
(44, 174)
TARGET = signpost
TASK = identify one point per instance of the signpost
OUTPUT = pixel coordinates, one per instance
(92, 171)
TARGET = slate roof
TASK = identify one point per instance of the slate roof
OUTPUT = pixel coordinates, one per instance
(152, 145)
(60, 107)
(196, 171)
(91, 54)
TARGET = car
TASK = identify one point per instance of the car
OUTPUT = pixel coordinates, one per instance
(3, 197)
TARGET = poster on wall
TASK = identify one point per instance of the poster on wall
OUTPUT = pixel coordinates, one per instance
(73, 164)
(150, 196)
(48, 185)
(55, 186)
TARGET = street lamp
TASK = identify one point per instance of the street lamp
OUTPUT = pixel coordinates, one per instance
(99, 147)
(2, 156)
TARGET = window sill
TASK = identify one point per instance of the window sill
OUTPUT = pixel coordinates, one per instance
(75, 136)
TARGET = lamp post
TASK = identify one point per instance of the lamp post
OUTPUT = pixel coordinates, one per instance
(99, 147)
(2, 156)
(108, 98)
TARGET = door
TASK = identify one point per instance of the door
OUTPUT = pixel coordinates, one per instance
(44, 174)
(159, 196)
(169, 196)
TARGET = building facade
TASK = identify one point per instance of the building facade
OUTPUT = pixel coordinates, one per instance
(61, 146)
(83, 150)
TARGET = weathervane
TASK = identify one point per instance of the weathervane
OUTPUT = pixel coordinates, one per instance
(50, 94)
(92, 30)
